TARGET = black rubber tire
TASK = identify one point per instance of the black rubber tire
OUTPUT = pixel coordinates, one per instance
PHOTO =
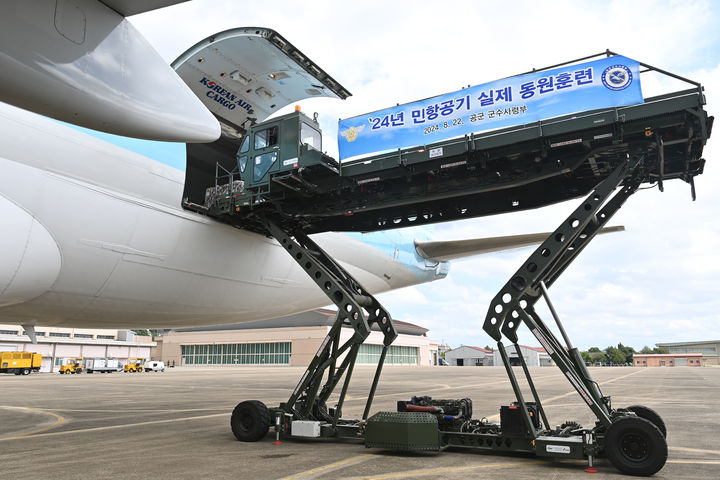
(250, 421)
(635, 446)
(26, 372)
(649, 414)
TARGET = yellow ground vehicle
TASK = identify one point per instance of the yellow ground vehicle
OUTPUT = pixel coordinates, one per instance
(72, 365)
(20, 363)
(134, 365)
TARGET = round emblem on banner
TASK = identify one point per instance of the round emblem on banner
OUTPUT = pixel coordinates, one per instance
(617, 77)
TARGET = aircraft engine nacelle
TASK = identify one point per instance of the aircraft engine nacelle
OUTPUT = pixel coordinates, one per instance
(30, 261)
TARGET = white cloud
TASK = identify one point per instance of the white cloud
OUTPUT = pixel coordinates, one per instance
(654, 282)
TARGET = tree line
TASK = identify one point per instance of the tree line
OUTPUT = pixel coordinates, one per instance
(620, 354)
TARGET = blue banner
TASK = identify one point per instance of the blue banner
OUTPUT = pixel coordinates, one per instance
(609, 82)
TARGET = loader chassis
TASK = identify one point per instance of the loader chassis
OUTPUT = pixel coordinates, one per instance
(287, 189)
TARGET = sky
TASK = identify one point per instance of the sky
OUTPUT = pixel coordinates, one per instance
(653, 283)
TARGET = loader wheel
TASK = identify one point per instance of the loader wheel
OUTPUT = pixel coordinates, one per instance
(635, 446)
(649, 414)
(250, 421)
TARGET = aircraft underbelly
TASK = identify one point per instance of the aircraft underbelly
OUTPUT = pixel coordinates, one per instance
(129, 258)
(148, 296)
(128, 264)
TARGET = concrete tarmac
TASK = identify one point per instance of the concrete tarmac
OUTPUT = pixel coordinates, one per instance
(175, 424)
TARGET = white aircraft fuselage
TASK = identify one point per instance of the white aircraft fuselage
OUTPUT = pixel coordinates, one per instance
(93, 235)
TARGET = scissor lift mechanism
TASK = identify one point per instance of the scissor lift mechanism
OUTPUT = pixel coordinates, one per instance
(633, 438)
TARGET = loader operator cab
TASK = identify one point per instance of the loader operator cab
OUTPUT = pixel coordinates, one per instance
(275, 156)
(271, 150)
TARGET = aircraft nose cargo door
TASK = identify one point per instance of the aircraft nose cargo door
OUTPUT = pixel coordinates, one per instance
(243, 76)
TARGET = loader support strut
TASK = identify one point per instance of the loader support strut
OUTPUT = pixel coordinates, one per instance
(516, 300)
(357, 308)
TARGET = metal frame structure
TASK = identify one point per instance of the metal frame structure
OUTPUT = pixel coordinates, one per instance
(515, 302)
(562, 158)
(357, 308)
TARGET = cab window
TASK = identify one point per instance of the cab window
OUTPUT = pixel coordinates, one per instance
(242, 159)
(310, 136)
(242, 162)
(262, 165)
(245, 145)
(266, 138)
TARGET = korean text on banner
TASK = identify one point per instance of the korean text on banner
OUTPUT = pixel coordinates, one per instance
(609, 82)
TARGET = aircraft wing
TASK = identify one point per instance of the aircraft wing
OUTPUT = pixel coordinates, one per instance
(245, 74)
(82, 62)
(454, 249)
(127, 8)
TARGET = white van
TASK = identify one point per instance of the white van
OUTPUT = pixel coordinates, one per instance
(154, 366)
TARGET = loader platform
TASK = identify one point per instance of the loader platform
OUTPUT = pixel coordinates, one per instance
(284, 173)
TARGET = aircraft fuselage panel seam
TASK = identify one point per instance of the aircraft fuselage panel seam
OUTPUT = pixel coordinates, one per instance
(129, 199)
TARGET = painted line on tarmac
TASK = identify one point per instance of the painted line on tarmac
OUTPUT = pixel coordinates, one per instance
(330, 467)
(112, 427)
(433, 471)
(59, 420)
(448, 387)
(162, 410)
(501, 381)
(695, 462)
(694, 450)
(572, 392)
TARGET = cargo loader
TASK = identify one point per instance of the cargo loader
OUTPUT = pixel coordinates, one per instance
(278, 182)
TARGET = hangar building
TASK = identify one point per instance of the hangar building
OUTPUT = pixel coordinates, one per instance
(467, 356)
(292, 340)
(709, 349)
(534, 356)
(57, 344)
